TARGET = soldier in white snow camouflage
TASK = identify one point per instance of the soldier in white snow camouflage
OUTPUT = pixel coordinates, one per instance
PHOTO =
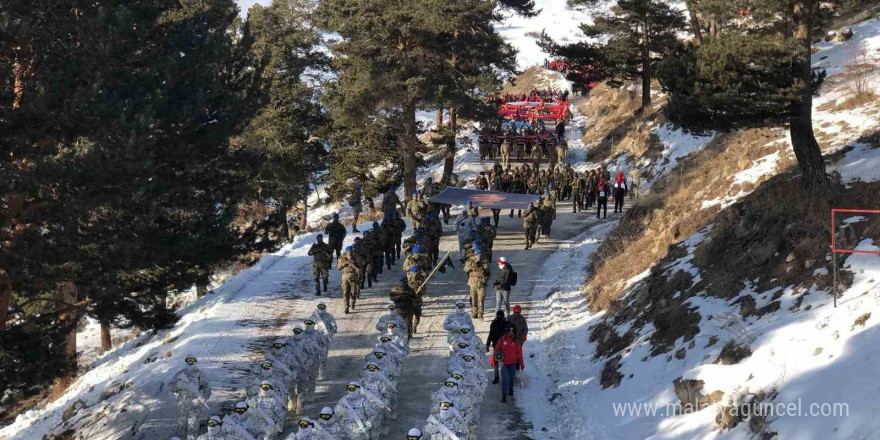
(242, 424)
(448, 424)
(326, 319)
(269, 410)
(193, 390)
(322, 343)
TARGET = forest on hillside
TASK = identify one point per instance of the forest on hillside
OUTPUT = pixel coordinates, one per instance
(147, 146)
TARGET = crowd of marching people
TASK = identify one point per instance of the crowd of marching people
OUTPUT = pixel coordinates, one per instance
(546, 95)
(284, 382)
(557, 184)
(380, 248)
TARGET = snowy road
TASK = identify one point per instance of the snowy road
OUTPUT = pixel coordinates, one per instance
(425, 370)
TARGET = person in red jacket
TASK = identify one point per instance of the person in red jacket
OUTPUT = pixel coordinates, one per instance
(508, 353)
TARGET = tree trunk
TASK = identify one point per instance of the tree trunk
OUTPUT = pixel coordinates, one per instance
(304, 220)
(285, 208)
(5, 297)
(409, 148)
(439, 117)
(201, 288)
(106, 341)
(646, 63)
(695, 23)
(20, 70)
(451, 147)
(803, 142)
(68, 314)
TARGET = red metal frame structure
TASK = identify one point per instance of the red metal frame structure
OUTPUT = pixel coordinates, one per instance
(835, 250)
(834, 212)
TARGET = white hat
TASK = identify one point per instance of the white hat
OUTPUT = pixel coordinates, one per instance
(414, 431)
(327, 411)
(502, 260)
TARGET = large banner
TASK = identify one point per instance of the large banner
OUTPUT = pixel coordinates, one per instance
(484, 199)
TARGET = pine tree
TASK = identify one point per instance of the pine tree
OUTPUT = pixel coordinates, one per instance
(384, 63)
(757, 72)
(116, 157)
(278, 137)
(477, 60)
(631, 39)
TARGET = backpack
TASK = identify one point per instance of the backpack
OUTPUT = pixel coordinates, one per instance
(512, 277)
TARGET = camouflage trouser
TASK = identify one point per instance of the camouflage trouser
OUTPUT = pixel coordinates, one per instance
(337, 247)
(320, 271)
(531, 235)
(189, 416)
(350, 287)
(478, 297)
(577, 202)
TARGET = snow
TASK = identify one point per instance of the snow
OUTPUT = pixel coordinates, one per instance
(787, 341)
(835, 56)
(677, 143)
(862, 163)
(760, 168)
(556, 18)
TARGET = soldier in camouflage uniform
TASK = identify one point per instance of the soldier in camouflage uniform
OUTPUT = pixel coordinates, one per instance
(487, 237)
(415, 277)
(390, 202)
(434, 228)
(530, 224)
(577, 197)
(364, 259)
(350, 278)
(416, 209)
(408, 303)
(478, 273)
(389, 233)
(335, 234)
(549, 212)
(355, 201)
(322, 256)
(400, 228)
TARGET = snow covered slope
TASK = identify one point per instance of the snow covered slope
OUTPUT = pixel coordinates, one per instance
(812, 367)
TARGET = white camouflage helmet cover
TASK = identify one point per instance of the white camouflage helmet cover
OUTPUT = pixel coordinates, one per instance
(415, 431)
(327, 411)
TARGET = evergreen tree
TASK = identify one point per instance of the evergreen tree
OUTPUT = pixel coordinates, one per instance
(116, 162)
(757, 72)
(630, 40)
(477, 60)
(384, 62)
(286, 162)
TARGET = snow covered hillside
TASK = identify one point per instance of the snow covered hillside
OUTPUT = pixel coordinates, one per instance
(738, 316)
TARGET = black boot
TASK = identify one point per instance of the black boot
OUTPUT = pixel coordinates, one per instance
(346, 310)
(495, 382)
(325, 285)
(317, 287)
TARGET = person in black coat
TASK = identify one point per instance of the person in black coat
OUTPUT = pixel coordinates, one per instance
(496, 331)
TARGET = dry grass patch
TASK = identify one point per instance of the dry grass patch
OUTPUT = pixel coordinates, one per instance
(674, 211)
